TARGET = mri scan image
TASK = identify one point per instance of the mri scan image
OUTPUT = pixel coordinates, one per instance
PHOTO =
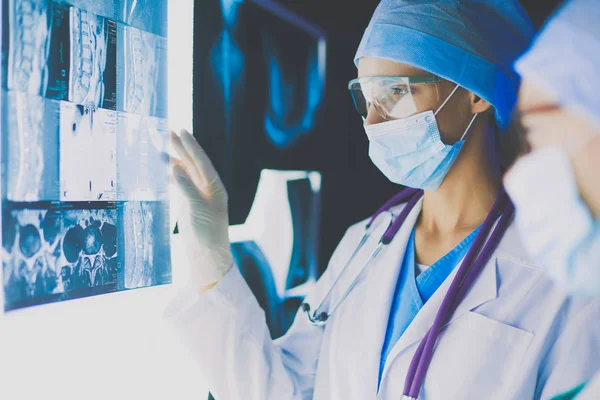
(84, 180)
(142, 80)
(27, 46)
(88, 163)
(89, 248)
(141, 141)
(145, 258)
(60, 52)
(92, 73)
(30, 147)
(57, 252)
(82, 62)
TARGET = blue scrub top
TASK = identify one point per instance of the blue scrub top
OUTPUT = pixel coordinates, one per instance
(411, 293)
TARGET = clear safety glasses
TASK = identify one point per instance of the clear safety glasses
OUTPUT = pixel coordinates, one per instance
(394, 97)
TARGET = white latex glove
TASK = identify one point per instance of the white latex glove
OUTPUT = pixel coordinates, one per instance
(202, 215)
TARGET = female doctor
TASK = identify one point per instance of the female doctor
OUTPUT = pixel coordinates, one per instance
(440, 300)
(556, 186)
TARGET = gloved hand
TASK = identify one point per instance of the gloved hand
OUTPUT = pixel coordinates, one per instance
(202, 215)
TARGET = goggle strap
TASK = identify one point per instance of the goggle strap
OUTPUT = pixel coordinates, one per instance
(447, 99)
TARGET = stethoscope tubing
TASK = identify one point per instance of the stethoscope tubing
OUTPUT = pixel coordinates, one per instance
(466, 275)
(317, 317)
(483, 247)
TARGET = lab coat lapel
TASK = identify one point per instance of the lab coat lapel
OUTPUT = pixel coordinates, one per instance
(373, 314)
(483, 290)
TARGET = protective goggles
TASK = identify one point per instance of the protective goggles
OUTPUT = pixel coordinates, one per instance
(394, 97)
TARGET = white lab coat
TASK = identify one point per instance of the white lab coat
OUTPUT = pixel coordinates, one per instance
(591, 391)
(515, 335)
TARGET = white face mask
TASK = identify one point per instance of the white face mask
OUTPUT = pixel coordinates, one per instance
(556, 227)
(410, 152)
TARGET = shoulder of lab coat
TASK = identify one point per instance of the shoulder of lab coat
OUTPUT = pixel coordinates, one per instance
(574, 357)
(225, 331)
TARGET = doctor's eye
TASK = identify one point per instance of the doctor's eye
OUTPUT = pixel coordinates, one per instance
(397, 92)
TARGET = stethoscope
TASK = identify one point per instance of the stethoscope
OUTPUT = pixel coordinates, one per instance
(484, 245)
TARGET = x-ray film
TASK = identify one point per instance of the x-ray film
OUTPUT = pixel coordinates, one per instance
(55, 251)
(30, 147)
(84, 132)
(26, 47)
(142, 80)
(145, 256)
(141, 175)
(88, 160)
(60, 52)
(82, 63)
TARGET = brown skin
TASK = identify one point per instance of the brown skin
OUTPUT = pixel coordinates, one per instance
(547, 124)
(469, 190)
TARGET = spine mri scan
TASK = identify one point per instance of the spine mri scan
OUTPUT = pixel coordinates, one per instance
(83, 114)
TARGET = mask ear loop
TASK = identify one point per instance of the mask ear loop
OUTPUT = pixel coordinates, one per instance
(469, 126)
(447, 99)
(444, 103)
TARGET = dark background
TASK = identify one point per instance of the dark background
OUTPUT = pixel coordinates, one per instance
(337, 147)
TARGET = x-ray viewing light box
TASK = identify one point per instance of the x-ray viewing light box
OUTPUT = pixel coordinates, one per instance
(114, 346)
(84, 104)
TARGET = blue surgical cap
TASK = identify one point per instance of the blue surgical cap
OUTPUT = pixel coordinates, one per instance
(565, 58)
(473, 43)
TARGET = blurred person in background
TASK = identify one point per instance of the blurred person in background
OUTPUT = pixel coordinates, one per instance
(556, 185)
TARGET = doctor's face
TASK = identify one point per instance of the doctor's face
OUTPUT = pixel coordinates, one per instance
(543, 123)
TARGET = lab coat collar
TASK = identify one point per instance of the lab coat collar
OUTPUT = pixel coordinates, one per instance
(484, 289)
